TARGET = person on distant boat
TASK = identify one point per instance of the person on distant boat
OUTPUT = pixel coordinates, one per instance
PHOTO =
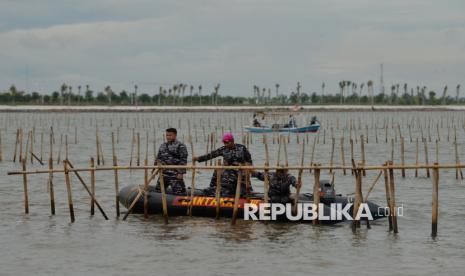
(255, 121)
(314, 120)
(233, 155)
(279, 185)
(172, 152)
(292, 122)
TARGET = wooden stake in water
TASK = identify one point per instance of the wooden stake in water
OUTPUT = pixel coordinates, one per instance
(50, 177)
(299, 179)
(342, 155)
(218, 189)
(393, 199)
(146, 191)
(402, 159)
(457, 161)
(426, 156)
(388, 196)
(237, 197)
(189, 211)
(68, 189)
(115, 163)
(333, 142)
(316, 192)
(163, 196)
(435, 202)
(26, 195)
(266, 176)
(416, 157)
(92, 186)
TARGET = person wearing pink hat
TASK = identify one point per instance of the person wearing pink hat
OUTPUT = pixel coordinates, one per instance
(233, 155)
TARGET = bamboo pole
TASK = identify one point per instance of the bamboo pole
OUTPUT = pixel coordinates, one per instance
(416, 156)
(388, 196)
(313, 153)
(435, 203)
(189, 211)
(333, 142)
(266, 176)
(299, 179)
(163, 196)
(20, 144)
(372, 186)
(90, 192)
(393, 199)
(402, 157)
(342, 155)
(237, 197)
(50, 177)
(92, 187)
(146, 192)
(218, 189)
(316, 192)
(426, 156)
(138, 149)
(26, 195)
(362, 149)
(457, 161)
(115, 164)
(68, 189)
(41, 146)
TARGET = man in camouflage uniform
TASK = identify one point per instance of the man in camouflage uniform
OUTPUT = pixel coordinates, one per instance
(279, 185)
(172, 152)
(233, 155)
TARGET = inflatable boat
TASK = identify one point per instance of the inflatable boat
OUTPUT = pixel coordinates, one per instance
(205, 205)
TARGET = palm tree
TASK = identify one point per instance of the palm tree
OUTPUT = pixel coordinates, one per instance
(160, 91)
(62, 92)
(360, 93)
(175, 88)
(341, 86)
(191, 93)
(277, 90)
(109, 93)
(13, 92)
(298, 93)
(135, 94)
(200, 94)
(70, 91)
(443, 98)
(457, 93)
(79, 94)
(217, 88)
(370, 91)
(322, 92)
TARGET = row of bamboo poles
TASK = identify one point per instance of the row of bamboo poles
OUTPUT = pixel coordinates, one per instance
(358, 171)
(386, 169)
(137, 149)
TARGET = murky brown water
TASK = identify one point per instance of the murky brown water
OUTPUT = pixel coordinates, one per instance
(42, 244)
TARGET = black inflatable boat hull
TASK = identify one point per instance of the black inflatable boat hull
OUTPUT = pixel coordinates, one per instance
(205, 206)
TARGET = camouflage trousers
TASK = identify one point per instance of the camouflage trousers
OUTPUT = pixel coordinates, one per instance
(228, 184)
(172, 185)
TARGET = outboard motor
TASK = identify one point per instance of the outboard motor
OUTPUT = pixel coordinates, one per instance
(327, 192)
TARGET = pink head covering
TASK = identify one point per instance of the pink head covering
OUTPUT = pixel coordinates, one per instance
(228, 137)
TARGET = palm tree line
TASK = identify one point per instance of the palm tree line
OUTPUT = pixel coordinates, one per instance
(182, 94)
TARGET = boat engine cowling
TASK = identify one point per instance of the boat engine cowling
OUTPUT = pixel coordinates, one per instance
(327, 192)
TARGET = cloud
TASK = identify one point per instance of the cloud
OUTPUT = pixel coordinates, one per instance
(238, 43)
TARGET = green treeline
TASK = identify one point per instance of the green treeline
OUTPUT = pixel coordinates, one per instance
(183, 95)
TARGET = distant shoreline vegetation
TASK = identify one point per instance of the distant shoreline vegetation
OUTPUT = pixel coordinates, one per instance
(184, 95)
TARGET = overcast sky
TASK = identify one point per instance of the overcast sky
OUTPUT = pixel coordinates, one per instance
(237, 43)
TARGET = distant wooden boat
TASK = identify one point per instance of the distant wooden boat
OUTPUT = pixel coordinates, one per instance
(281, 128)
